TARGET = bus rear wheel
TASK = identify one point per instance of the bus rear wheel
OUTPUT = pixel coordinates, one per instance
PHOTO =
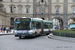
(20, 37)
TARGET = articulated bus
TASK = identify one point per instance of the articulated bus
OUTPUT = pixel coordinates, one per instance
(72, 26)
(31, 27)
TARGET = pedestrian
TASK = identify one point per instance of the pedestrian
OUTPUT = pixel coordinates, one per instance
(1, 29)
(56, 28)
(4, 29)
(7, 29)
(61, 28)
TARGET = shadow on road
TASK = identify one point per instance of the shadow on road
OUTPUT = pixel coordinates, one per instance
(28, 38)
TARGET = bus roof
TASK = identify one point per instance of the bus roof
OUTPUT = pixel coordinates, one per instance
(36, 19)
(47, 21)
(21, 17)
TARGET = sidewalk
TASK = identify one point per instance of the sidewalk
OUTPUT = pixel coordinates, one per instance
(67, 39)
(3, 33)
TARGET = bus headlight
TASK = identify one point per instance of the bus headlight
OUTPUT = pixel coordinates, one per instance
(15, 31)
(31, 32)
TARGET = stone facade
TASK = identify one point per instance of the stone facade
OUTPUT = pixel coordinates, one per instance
(4, 20)
(60, 10)
(15, 8)
(55, 9)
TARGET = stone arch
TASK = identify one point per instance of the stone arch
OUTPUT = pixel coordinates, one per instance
(71, 17)
(57, 22)
(60, 17)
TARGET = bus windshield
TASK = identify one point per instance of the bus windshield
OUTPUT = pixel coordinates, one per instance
(22, 24)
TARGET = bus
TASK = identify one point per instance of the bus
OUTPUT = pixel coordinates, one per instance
(72, 26)
(31, 27)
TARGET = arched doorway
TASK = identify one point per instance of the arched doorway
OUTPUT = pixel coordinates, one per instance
(57, 22)
(12, 22)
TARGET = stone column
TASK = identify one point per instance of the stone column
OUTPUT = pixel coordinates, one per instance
(65, 17)
(24, 9)
(65, 23)
(34, 7)
(49, 9)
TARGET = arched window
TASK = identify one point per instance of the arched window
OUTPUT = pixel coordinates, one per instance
(12, 8)
(27, 10)
(73, 9)
(12, 21)
(57, 9)
(42, 8)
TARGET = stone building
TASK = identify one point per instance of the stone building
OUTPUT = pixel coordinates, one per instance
(15, 8)
(61, 12)
(4, 20)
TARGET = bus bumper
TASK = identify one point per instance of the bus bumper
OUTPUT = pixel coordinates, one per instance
(27, 34)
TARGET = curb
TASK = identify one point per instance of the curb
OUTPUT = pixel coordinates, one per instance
(6, 34)
(67, 39)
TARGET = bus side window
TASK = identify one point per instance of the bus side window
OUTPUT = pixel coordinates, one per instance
(51, 25)
(33, 25)
(45, 26)
(38, 25)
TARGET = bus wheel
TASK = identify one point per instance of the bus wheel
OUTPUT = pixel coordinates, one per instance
(20, 37)
(36, 34)
(47, 34)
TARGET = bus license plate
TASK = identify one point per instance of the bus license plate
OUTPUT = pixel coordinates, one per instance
(22, 35)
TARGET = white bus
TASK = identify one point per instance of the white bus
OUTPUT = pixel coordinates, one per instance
(31, 27)
(72, 26)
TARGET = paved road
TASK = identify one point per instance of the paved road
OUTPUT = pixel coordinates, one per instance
(9, 42)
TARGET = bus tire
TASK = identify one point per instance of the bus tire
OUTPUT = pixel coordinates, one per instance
(35, 34)
(47, 34)
(20, 37)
